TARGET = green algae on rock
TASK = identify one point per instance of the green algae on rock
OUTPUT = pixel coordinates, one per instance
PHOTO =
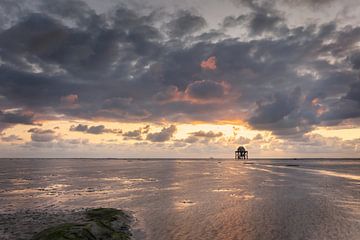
(98, 224)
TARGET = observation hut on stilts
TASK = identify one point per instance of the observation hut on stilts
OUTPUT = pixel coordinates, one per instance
(241, 153)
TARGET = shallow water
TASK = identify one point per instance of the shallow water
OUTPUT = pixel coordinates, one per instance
(194, 199)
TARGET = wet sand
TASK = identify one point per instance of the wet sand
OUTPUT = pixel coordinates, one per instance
(187, 199)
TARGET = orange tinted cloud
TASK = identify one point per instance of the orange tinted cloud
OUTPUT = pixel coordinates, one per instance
(209, 64)
(69, 99)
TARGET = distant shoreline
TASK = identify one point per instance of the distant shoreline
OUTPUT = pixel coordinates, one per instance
(174, 159)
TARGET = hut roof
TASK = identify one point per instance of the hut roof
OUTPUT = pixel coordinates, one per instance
(241, 149)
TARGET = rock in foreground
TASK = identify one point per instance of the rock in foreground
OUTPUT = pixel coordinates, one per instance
(97, 224)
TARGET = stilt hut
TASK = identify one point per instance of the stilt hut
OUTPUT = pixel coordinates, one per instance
(241, 153)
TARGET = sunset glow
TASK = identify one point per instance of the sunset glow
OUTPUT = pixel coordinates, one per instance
(107, 79)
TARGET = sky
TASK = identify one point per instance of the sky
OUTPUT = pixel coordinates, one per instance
(166, 78)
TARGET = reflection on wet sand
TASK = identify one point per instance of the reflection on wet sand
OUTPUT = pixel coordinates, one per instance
(193, 199)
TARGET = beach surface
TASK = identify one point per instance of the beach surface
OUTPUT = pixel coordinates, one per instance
(187, 199)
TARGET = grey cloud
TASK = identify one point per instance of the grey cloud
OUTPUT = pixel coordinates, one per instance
(164, 135)
(279, 106)
(355, 60)
(204, 134)
(201, 137)
(205, 89)
(135, 135)
(191, 139)
(121, 67)
(11, 138)
(79, 128)
(96, 129)
(73, 9)
(312, 3)
(42, 135)
(261, 22)
(285, 114)
(185, 23)
(12, 117)
(99, 129)
(17, 117)
(263, 18)
(341, 110)
(255, 3)
(232, 21)
(354, 92)
(10, 10)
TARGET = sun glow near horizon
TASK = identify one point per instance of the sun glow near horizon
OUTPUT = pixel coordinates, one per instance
(190, 81)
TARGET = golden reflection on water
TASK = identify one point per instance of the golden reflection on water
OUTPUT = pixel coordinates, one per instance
(199, 199)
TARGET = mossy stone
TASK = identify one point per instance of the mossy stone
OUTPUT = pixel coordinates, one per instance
(99, 224)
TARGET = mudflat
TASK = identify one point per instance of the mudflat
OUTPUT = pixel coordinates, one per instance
(187, 198)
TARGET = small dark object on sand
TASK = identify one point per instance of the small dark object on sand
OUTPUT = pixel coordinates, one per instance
(292, 165)
(99, 223)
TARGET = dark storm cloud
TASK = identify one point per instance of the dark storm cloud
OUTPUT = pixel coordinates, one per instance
(17, 117)
(123, 65)
(354, 92)
(355, 60)
(164, 135)
(278, 107)
(185, 23)
(285, 114)
(72, 9)
(10, 11)
(263, 22)
(43, 40)
(206, 89)
(263, 18)
(32, 89)
(12, 117)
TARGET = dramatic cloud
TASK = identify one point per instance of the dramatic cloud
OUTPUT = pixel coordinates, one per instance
(12, 117)
(206, 89)
(355, 60)
(16, 117)
(258, 66)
